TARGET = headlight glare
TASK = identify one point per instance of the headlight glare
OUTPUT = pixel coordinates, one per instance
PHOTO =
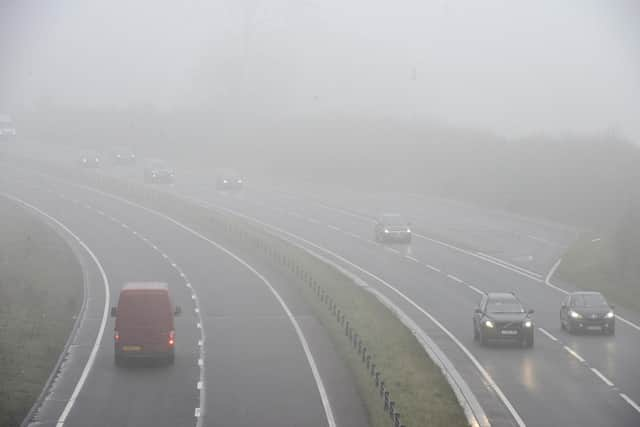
(610, 315)
(575, 315)
(488, 324)
(528, 324)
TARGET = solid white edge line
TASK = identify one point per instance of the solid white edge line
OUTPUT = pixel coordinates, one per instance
(633, 404)
(547, 281)
(333, 227)
(432, 268)
(105, 313)
(602, 377)
(551, 337)
(574, 354)
(412, 258)
(476, 290)
(461, 346)
(305, 346)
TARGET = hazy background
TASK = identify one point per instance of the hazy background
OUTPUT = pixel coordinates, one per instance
(511, 67)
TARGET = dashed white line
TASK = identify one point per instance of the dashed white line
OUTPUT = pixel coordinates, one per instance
(333, 227)
(199, 362)
(198, 325)
(313, 220)
(174, 265)
(633, 404)
(454, 278)
(165, 256)
(551, 337)
(188, 285)
(354, 235)
(197, 413)
(197, 310)
(476, 290)
(393, 250)
(200, 343)
(602, 377)
(124, 225)
(574, 354)
(199, 385)
(411, 258)
(432, 268)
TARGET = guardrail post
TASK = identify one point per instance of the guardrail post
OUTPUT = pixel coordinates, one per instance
(396, 421)
(381, 388)
(377, 377)
(386, 401)
(392, 405)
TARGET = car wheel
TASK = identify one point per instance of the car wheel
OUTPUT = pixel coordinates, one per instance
(483, 338)
(562, 323)
(527, 342)
(475, 332)
(171, 358)
(611, 330)
(570, 328)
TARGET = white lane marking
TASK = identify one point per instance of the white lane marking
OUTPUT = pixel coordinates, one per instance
(303, 341)
(531, 275)
(313, 220)
(154, 247)
(101, 213)
(135, 233)
(105, 312)
(633, 404)
(508, 264)
(197, 310)
(354, 235)
(487, 377)
(602, 377)
(174, 265)
(188, 285)
(551, 337)
(412, 258)
(199, 385)
(197, 413)
(476, 290)
(182, 275)
(393, 250)
(344, 212)
(432, 268)
(199, 343)
(596, 240)
(574, 354)
(165, 256)
(198, 325)
(125, 225)
(547, 281)
(454, 278)
(333, 227)
(541, 239)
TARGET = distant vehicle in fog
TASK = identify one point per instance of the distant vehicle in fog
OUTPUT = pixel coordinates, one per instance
(392, 228)
(500, 316)
(587, 311)
(229, 179)
(89, 159)
(144, 325)
(156, 171)
(123, 156)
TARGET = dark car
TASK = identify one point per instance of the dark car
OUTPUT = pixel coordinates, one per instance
(229, 180)
(144, 326)
(123, 156)
(587, 311)
(501, 316)
(157, 172)
(392, 228)
(89, 159)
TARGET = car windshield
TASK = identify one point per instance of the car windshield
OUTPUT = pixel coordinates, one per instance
(589, 300)
(393, 220)
(504, 306)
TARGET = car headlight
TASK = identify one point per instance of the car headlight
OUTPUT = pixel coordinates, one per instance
(239, 181)
(610, 315)
(133, 156)
(528, 323)
(224, 181)
(386, 231)
(575, 315)
(408, 230)
(118, 156)
(97, 160)
(488, 324)
(84, 160)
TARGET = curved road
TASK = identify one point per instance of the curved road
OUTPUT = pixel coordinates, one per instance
(239, 359)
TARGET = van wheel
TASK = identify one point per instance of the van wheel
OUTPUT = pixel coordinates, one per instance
(118, 360)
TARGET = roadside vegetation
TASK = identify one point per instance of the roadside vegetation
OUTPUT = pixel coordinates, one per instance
(40, 291)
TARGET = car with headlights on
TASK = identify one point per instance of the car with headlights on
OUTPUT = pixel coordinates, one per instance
(89, 159)
(229, 180)
(392, 228)
(123, 156)
(500, 316)
(587, 311)
(156, 171)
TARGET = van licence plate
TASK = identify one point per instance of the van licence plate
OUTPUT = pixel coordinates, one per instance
(131, 348)
(508, 332)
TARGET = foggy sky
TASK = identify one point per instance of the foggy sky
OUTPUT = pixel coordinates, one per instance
(513, 67)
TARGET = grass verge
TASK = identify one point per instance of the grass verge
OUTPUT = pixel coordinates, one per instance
(38, 299)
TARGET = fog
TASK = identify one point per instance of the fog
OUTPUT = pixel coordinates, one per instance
(513, 68)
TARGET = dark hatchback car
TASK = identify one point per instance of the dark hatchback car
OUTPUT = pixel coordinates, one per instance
(392, 228)
(89, 159)
(500, 316)
(587, 311)
(144, 326)
(157, 172)
(229, 180)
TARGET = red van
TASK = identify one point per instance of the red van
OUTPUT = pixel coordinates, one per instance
(144, 322)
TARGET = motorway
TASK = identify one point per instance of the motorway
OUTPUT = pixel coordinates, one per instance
(249, 352)
(586, 380)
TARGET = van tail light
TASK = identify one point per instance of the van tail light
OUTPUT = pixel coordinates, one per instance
(116, 336)
(172, 336)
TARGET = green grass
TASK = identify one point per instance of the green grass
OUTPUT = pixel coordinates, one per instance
(38, 301)
(591, 266)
